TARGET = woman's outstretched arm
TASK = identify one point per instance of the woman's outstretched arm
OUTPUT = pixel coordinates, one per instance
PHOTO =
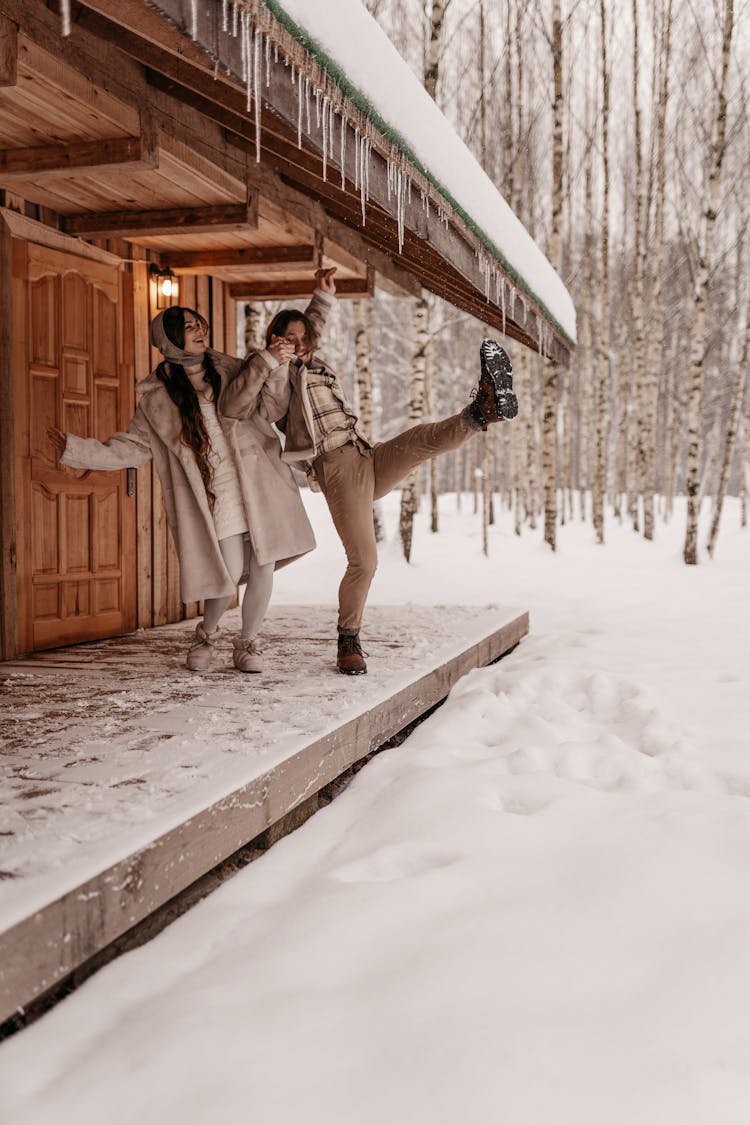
(125, 450)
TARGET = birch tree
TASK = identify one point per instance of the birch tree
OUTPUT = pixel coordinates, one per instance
(600, 461)
(733, 425)
(700, 300)
(656, 348)
(551, 388)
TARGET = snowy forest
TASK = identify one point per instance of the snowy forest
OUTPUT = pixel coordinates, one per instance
(618, 132)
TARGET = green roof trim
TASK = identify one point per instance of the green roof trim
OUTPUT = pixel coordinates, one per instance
(358, 98)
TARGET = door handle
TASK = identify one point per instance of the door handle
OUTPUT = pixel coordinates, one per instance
(130, 488)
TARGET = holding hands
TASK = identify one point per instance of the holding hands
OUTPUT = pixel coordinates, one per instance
(281, 349)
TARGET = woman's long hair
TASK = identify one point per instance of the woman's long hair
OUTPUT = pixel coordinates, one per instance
(182, 393)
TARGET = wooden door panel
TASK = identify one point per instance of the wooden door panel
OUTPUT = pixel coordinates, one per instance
(44, 517)
(75, 313)
(106, 409)
(76, 556)
(43, 321)
(104, 335)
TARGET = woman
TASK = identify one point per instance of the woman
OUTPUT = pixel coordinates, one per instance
(232, 505)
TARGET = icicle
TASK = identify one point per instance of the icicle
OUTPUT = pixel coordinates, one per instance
(247, 58)
(299, 111)
(357, 146)
(408, 190)
(343, 151)
(276, 53)
(243, 46)
(368, 150)
(307, 103)
(258, 48)
(399, 209)
(194, 19)
(331, 127)
(65, 16)
(363, 152)
(502, 291)
(225, 15)
(293, 74)
(235, 17)
(268, 63)
(324, 122)
(317, 108)
(539, 336)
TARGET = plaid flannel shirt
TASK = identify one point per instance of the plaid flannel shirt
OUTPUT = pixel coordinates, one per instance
(334, 422)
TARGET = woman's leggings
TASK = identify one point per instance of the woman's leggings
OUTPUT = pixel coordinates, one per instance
(239, 557)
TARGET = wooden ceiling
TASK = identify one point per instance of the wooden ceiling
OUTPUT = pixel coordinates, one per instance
(127, 129)
(103, 169)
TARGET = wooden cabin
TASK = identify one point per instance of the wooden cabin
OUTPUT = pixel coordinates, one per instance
(216, 145)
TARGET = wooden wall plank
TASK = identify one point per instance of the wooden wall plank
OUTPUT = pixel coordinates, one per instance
(143, 485)
(8, 548)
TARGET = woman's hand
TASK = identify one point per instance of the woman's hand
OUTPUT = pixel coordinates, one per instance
(324, 280)
(281, 349)
(58, 440)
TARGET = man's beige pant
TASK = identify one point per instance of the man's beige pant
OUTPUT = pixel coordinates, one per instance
(352, 479)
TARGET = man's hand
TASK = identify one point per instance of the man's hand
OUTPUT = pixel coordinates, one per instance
(324, 280)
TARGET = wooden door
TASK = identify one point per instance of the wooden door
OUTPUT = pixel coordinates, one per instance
(73, 367)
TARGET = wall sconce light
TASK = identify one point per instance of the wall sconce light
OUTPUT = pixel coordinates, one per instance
(167, 286)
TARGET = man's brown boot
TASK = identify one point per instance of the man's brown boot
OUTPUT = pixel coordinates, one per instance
(350, 659)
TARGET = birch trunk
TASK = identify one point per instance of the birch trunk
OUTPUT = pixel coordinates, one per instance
(415, 415)
(700, 303)
(733, 426)
(253, 334)
(363, 364)
(602, 365)
(550, 393)
(634, 389)
(656, 349)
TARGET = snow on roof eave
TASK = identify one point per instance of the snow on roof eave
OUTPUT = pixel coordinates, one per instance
(470, 192)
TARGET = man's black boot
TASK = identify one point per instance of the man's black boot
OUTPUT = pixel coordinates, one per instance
(494, 400)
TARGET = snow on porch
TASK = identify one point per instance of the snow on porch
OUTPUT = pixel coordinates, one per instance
(124, 778)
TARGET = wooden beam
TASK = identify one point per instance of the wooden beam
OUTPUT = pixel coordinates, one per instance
(30, 230)
(299, 289)
(115, 154)
(8, 52)
(179, 220)
(204, 261)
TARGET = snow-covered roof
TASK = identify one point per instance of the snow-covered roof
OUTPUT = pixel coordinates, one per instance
(350, 45)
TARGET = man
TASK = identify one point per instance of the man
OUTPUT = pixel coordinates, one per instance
(322, 431)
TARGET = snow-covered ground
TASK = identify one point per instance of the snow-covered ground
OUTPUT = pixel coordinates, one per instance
(535, 910)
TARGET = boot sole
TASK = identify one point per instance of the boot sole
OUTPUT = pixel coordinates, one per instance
(496, 364)
(353, 671)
